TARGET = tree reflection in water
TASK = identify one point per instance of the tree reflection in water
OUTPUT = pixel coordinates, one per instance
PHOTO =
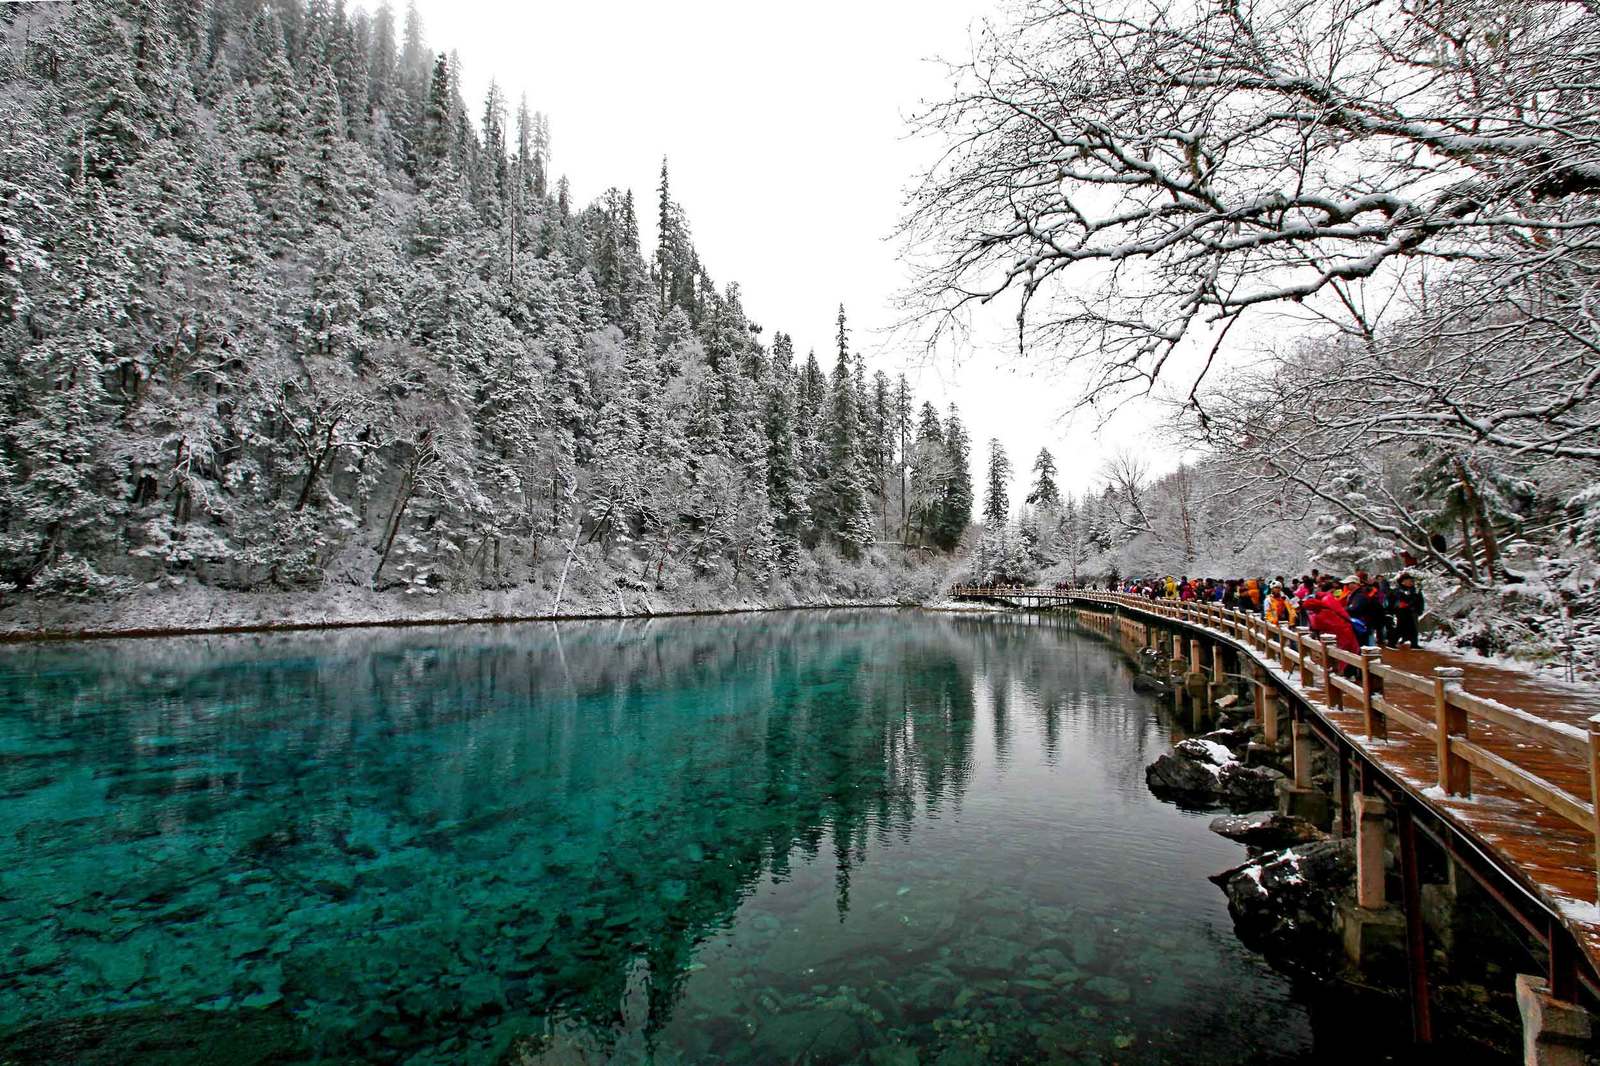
(427, 844)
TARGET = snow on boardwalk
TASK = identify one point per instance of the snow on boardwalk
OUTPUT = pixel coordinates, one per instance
(1548, 855)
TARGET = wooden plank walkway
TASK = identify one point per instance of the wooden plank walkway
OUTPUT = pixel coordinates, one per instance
(1533, 775)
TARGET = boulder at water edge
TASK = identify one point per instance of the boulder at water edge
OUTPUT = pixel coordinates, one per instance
(1174, 775)
(1202, 770)
(1283, 903)
(1266, 829)
(1250, 788)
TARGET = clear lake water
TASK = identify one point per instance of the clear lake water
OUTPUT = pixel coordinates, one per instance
(884, 837)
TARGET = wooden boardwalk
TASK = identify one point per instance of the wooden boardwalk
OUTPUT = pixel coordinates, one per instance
(1522, 755)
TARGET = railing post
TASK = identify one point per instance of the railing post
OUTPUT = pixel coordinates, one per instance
(1300, 635)
(1377, 725)
(1450, 722)
(1594, 790)
(1331, 694)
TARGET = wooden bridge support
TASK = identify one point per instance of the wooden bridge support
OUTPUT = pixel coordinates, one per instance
(1372, 930)
(1372, 832)
(1301, 734)
(1416, 946)
(1267, 708)
(1345, 825)
(1297, 795)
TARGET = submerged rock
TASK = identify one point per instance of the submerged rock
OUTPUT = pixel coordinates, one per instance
(1283, 903)
(1149, 683)
(178, 1038)
(813, 1036)
(1109, 989)
(990, 953)
(1266, 829)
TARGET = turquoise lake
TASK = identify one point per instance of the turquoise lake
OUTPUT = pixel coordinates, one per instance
(879, 837)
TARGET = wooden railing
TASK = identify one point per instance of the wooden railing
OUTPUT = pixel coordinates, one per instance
(1345, 681)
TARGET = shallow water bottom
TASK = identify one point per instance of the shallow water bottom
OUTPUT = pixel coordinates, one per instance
(871, 837)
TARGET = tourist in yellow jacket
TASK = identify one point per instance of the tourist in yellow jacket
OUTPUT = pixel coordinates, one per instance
(1280, 608)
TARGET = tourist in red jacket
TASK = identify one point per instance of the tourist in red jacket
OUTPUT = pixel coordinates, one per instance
(1325, 614)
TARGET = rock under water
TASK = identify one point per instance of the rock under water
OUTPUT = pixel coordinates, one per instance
(182, 1038)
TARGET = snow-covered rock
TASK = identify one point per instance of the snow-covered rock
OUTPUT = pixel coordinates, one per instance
(1201, 770)
(1283, 903)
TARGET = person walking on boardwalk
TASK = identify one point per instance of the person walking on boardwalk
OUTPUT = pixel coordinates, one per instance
(1386, 602)
(1365, 604)
(1252, 592)
(1279, 609)
(1327, 614)
(1408, 606)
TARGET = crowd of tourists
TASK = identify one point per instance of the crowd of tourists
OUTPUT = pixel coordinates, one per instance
(1360, 610)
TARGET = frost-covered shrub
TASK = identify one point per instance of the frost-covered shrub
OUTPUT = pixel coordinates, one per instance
(71, 578)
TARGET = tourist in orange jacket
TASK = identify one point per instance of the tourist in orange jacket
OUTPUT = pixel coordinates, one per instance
(1279, 608)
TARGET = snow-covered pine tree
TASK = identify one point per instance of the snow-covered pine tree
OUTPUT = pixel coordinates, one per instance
(955, 502)
(997, 486)
(272, 309)
(1044, 494)
(848, 516)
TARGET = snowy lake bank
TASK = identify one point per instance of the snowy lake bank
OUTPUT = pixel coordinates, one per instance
(199, 610)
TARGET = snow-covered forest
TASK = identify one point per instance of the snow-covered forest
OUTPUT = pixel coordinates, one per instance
(280, 309)
(1345, 252)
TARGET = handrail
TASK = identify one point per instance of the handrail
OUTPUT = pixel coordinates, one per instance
(1455, 710)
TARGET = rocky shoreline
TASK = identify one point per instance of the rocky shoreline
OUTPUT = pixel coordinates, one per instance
(1290, 899)
(1284, 897)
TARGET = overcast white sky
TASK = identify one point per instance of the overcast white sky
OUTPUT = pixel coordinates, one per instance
(785, 129)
